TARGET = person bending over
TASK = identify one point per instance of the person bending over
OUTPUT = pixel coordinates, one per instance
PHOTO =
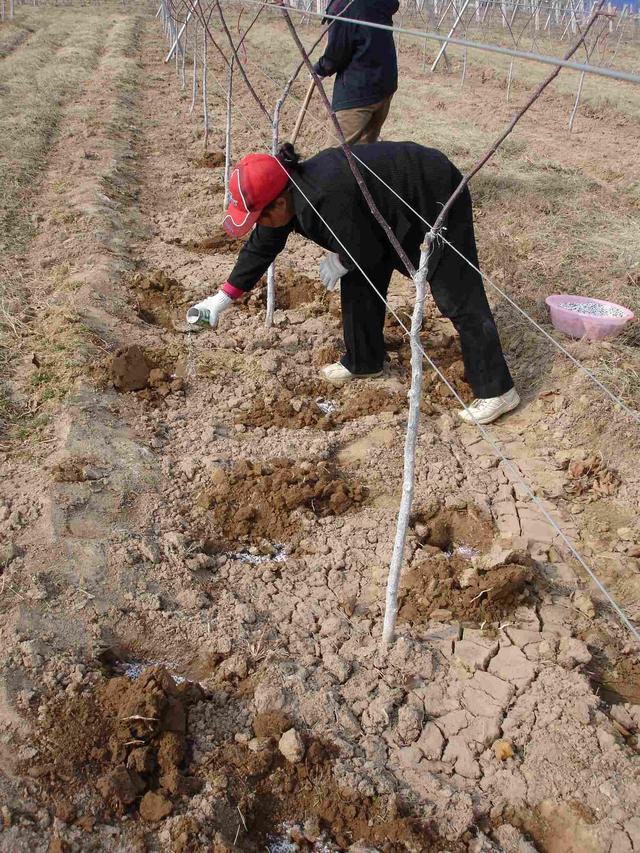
(320, 199)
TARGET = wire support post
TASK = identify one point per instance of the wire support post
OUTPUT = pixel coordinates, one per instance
(176, 44)
(483, 160)
(443, 49)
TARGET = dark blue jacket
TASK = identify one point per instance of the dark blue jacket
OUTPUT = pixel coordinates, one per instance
(364, 59)
(424, 177)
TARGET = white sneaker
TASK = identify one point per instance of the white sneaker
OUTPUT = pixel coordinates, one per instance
(488, 410)
(337, 374)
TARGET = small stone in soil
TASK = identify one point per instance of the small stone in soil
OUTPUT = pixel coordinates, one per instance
(503, 750)
(291, 746)
(154, 807)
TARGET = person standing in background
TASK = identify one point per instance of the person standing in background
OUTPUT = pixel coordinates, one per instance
(366, 67)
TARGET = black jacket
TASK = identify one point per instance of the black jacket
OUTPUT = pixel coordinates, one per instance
(423, 176)
(364, 59)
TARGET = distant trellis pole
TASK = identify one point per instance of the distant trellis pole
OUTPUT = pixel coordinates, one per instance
(442, 50)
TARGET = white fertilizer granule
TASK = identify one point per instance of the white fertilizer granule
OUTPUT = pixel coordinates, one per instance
(593, 309)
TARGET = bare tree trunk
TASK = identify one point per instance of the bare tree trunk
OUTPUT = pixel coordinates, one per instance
(575, 106)
(271, 272)
(183, 81)
(234, 51)
(196, 9)
(411, 439)
(509, 78)
(194, 87)
(205, 106)
(227, 135)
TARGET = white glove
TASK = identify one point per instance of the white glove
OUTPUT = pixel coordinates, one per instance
(331, 271)
(215, 305)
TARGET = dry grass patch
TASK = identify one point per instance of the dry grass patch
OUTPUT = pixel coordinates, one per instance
(35, 81)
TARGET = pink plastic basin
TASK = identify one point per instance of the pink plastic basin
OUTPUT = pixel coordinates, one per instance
(584, 325)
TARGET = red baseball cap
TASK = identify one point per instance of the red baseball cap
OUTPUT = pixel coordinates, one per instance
(254, 183)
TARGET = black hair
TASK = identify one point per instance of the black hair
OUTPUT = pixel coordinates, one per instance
(288, 156)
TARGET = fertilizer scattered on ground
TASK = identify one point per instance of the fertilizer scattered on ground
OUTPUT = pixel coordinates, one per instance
(134, 669)
(244, 556)
(281, 845)
(467, 552)
(593, 309)
(288, 842)
(327, 407)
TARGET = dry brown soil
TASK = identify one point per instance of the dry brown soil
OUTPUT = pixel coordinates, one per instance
(180, 505)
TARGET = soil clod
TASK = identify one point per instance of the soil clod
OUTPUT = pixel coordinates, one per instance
(451, 584)
(130, 369)
(130, 736)
(217, 243)
(211, 160)
(454, 579)
(288, 410)
(254, 500)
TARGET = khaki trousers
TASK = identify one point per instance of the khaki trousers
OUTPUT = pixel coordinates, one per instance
(362, 124)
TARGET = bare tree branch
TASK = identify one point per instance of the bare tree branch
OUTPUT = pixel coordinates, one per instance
(253, 92)
(198, 11)
(438, 224)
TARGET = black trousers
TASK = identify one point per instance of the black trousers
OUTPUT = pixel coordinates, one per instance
(459, 294)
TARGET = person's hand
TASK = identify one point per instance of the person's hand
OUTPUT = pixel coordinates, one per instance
(209, 310)
(331, 271)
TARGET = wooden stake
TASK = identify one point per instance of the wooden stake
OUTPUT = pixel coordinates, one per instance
(303, 110)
